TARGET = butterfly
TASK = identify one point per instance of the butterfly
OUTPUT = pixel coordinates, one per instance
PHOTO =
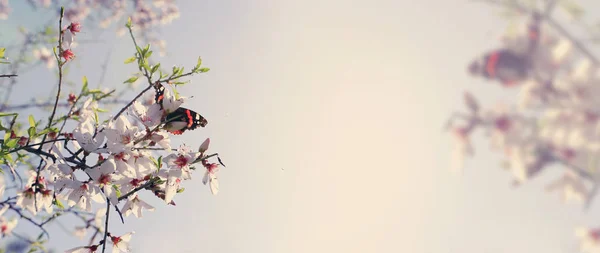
(182, 119)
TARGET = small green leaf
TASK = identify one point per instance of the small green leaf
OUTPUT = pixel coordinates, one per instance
(94, 91)
(85, 84)
(2, 51)
(4, 114)
(128, 24)
(159, 163)
(131, 79)
(130, 60)
(114, 186)
(155, 68)
(154, 161)
(148, 54)
(59, 204)
(31, 132)
(181, 83)
(199, 62)
(180, 190)
(204, 70)
(146, 66)
(177, 96)
(31, 121)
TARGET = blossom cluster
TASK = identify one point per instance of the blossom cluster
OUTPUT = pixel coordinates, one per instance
(107, 162)
(555, 118)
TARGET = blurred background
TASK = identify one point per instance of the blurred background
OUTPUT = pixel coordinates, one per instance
(328, 115)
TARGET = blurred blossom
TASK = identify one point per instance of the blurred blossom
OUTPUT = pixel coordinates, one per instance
(45, 56)
(571, 187)
(5, 10)
(589, 240)
(462, 148)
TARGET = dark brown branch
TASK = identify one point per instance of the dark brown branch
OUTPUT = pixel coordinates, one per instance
(9, 75)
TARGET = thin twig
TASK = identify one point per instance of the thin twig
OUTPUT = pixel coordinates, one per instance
(132, 101)
(106, 225)
(60, 76)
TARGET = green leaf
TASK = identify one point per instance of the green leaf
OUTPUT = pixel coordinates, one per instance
(5, 114)
(146, 66)
(148, 54)
(177, 96)
(154, 161)
(131, 79)
(114, 186)
(59, 204)
(159, 163)
(130, 60)
(180, 83)
(204, 70)
(199, 62)
(12, 143)
(31, 132)
(31, 121)
(94, 91)
(180, 190)
(155, 68)
(2, 51)
(128, 24)
(85, 84)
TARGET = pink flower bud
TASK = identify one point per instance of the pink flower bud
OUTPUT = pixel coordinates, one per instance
(72, 98)
(75, 27)
(68, 54)
(22, 141)
(204, 145)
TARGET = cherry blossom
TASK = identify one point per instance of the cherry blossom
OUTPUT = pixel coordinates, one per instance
(121, 243)
(86, 136)
(121, 135)
(82, 193)
(135, 205)
(87, 110)
(210, 176)
(104, 176)
(149, 116)
(6, 226)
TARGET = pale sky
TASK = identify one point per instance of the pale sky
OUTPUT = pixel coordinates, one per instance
(349, 98)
